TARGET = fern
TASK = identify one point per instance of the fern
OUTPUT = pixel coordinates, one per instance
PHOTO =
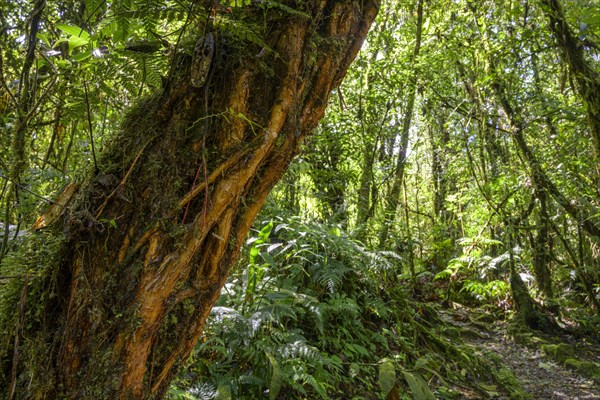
(331, 275)
(123, 22)
(271, 4)
(149, 19)
(244, 33)
(94, 9)
(204, 392)
(300, 350)
(318, 323)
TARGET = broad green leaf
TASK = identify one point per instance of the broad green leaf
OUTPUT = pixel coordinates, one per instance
(418, 386)
(81, 57)
(426, 24)
(59, 41)
(275, 385)
(73, 30)
(254, 252)
(265, 232)
(387, 376)
(488, 387)
(334, 231)
(421, 362)
(43, 36)
(63, 63)
(268, 259)
(75, 41)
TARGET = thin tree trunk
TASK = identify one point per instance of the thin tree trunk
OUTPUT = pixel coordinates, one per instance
(24, 97)
(541, 256)
(364, 191)
(393, 198)
(367, 191)
(366, 200)
(539, 177)
(587, 78)
(141, 249)
(528, 310)
(439, 169)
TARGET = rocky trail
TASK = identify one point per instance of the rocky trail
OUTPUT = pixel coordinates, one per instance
(541, 376)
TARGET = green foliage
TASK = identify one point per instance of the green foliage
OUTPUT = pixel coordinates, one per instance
(287, 10)
(325, 319)
(477, 273)
(492, 291)
(24, 272)
(287, 301)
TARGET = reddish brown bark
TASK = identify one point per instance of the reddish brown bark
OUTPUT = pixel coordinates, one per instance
(132, 300)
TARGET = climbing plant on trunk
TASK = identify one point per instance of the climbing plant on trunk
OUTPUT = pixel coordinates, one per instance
(125, 266)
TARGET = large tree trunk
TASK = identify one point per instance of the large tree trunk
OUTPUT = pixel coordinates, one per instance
(149, 237)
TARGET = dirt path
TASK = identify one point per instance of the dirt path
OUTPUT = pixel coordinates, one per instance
(541, 378)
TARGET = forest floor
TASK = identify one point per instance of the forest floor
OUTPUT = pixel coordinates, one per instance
(540, 376)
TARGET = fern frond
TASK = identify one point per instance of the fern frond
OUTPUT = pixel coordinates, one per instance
(270, 4)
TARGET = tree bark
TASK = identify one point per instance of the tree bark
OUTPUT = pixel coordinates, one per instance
(148, 238)
(541, 248)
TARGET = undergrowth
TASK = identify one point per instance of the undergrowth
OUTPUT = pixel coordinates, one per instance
(29, 286)
(311, 313)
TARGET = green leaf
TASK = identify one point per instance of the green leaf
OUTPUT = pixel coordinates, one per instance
(81, 57)
(268, 258)
(334, 231)
(265, 232)
(426, 24)
(74, 30)
(223, 392)
(43, 36)
(75, 41)
(63, 64)
(418, 386)
(287, 9)
(421, 362)
(275, 385)
(387, 376)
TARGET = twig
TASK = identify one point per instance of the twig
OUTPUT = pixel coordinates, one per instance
(36, 16)
(3, 81)
(122, 183)
(193, 187)
(18, 329)
(10, 277)
(210, 179)
(27, 190)
(37, 104)
(89, 119)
